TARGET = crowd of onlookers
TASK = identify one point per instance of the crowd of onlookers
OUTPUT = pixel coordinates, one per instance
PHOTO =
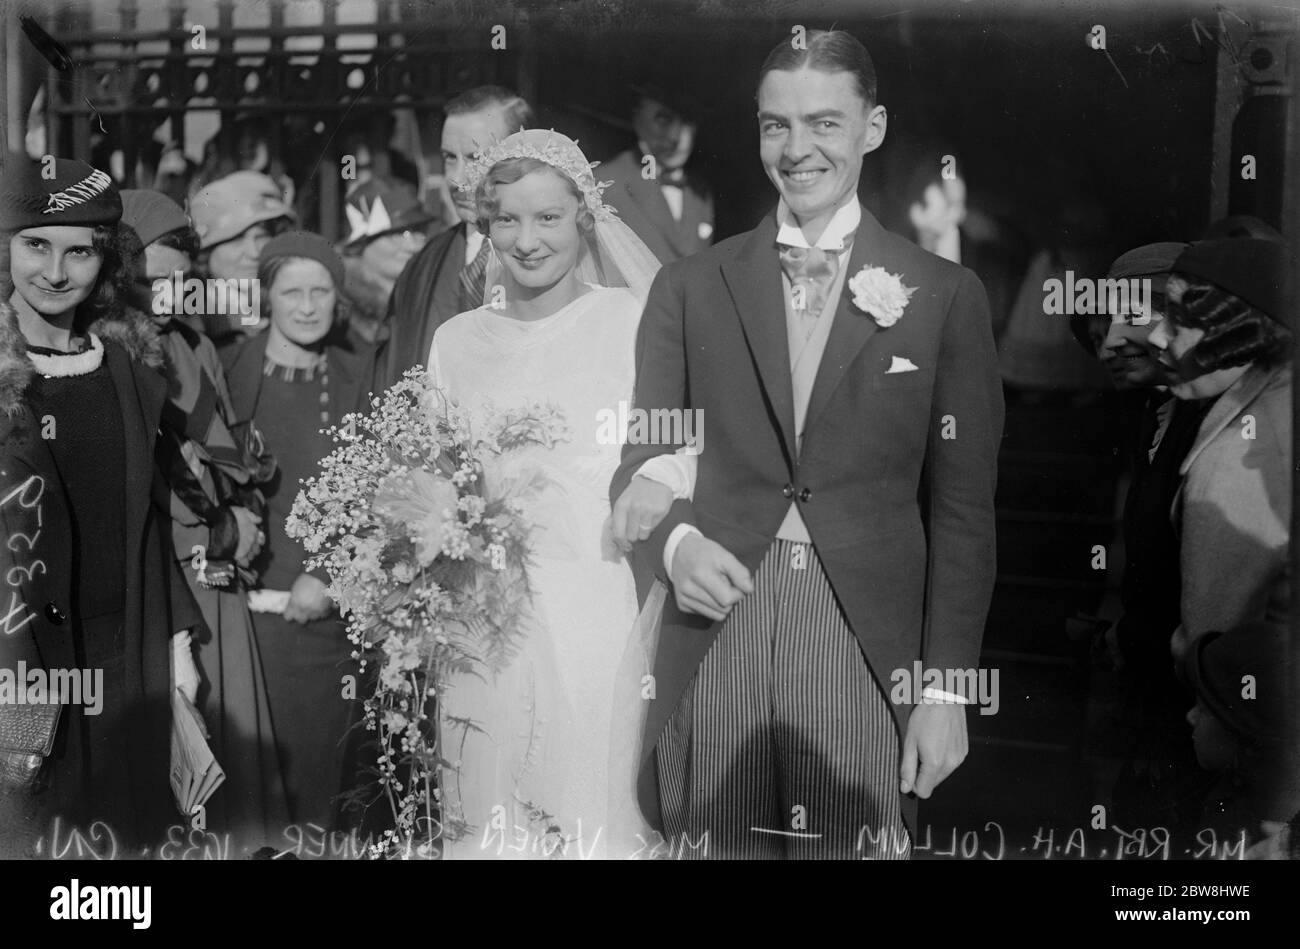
(1202, 643)
(211, 410)
(213, 418)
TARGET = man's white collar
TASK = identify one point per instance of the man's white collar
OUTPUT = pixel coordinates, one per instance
(845, 222)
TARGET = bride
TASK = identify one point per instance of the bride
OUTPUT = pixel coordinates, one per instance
(540, 752)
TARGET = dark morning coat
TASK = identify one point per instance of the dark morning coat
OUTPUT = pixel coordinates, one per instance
(641, 205)
(902, 517)
(35, 557)
(426, 295)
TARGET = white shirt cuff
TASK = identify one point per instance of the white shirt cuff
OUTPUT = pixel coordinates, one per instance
(679, 533)
(184, 672)
(933, 696)
(676, 472)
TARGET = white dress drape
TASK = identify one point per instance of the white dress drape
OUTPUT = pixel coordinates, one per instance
(534, 769)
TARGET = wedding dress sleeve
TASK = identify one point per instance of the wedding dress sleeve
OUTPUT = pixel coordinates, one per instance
(431, 365)
(675, 471)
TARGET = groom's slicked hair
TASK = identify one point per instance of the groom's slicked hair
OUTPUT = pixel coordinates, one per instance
(826, 51)
(519, 114)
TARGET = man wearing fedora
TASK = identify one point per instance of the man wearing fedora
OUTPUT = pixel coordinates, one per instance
(669, 207)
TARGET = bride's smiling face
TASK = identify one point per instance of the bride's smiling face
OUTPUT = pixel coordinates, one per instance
(535, 229)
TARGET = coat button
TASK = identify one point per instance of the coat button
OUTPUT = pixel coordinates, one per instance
(788, 490)
(54, 614)
(805, 495)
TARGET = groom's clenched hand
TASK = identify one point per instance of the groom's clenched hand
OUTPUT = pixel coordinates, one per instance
(707, 578)
(936, 734)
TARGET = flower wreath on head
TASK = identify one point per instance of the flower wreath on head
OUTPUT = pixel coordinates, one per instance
(555, 149)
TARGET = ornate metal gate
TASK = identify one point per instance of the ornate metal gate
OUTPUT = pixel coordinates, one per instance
(305, 74)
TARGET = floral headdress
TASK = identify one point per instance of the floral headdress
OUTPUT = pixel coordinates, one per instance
(555, 149)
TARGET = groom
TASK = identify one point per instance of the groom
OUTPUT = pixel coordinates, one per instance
(842, 525)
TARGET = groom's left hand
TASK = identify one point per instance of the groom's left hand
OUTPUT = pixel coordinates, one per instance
(936, 735)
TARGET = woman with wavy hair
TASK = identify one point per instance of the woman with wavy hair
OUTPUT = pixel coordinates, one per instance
(89, 590)
(1225, 338)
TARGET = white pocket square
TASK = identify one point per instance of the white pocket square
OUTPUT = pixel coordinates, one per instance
(900, 364)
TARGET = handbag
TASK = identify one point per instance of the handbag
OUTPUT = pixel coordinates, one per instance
(26, 739)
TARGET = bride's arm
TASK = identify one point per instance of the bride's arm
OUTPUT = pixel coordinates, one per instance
(660, 385)
(431, 364)
(675, 472)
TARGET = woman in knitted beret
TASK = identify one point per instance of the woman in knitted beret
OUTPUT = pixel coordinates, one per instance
(88, 579)
(301, 376)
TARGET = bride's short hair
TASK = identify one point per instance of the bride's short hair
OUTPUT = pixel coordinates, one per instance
(511, 170)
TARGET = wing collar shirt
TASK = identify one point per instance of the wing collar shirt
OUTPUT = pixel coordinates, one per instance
(806, 333)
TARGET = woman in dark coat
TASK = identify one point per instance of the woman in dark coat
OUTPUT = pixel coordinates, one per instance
(214, 469)
(300, 376)
(89, 581)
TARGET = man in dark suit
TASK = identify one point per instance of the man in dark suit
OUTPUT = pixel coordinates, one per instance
(669, 207)
(842, 522)
(446, 277)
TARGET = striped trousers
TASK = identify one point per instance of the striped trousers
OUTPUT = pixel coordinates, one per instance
(783, 746)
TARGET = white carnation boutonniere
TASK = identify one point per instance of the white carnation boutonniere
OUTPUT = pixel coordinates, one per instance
(880, 294)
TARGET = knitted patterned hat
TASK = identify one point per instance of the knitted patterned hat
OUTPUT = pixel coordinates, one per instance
(308, 245)
(56, 192)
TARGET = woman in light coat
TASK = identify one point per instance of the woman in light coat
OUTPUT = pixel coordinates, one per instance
(1225, 338)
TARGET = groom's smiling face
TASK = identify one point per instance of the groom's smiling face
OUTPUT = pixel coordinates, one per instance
(814, 127)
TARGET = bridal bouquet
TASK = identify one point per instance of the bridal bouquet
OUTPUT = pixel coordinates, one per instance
(428, 561)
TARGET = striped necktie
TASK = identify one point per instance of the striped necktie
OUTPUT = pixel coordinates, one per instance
(472, 276)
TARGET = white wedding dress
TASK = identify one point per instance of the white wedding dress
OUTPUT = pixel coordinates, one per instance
(545, 769)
